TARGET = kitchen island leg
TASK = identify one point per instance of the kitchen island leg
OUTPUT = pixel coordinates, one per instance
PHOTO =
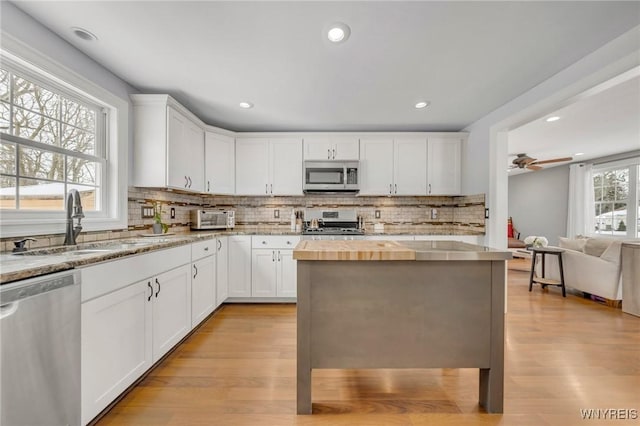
(303, 381)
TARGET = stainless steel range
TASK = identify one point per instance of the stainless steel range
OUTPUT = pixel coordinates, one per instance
(331, 224)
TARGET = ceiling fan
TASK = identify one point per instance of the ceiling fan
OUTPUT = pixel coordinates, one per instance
(523, 161)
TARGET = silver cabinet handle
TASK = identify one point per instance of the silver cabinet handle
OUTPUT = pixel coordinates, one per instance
(189, 181)
(334, 154)
(195, 268)
(264, 242)
(328, 154)
(206, 249)
(396, 188)
(390, 188)
(272, 188)
(158, 292)
(208, 186)
(150, 288)
(278, 255)
(429, 188)
(266, 188)
(219, 245)
(273, 256)
(289, 242)
(186, 181)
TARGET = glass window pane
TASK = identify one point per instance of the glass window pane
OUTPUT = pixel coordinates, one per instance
(78, 115)
(7, 192)
(609, 193)
(598, 194)
(30, 96)
(4, 85)
(42, 164)
(4, 117)
(82, 171)
(78, 140)
(88, 196)
(35, 127)
(7, 158)
(41, 195)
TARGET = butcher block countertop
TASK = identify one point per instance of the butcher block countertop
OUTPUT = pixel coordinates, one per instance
(359, 250)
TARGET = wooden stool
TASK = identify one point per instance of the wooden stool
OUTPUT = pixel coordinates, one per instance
(543, 251)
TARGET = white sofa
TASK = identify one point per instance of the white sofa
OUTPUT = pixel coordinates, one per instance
(591, 265)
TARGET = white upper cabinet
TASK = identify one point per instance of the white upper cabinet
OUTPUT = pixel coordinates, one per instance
(410, 166)
(219, 164)
(393, 166)
(168, 146)
(268, 166)
(331, 148)
(376, 166)
(444, 169)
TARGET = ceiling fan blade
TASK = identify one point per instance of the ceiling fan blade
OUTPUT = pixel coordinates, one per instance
(554, 160)
(533, 167)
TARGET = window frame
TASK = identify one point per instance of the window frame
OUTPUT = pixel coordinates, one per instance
(114, 110)
(633, 196)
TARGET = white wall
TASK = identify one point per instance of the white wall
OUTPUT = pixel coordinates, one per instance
(485, 157)
(538, 203)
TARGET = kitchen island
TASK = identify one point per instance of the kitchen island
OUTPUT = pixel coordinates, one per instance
(401, 304)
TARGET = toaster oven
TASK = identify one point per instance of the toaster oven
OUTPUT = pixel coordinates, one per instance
(213, 219)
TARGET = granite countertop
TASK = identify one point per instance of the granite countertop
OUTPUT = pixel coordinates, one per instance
(324, 250)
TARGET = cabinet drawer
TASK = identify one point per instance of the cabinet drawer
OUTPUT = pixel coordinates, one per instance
(274, 241)
(203, 248)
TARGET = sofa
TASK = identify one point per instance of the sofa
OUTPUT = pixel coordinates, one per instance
(591, 265)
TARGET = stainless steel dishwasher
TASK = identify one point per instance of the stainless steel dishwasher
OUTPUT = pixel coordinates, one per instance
(40, 351)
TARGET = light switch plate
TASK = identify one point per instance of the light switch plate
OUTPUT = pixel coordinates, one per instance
(276, 214)
(434, 213)
(146, 212)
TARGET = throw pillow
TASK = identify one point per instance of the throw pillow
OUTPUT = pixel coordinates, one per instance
(596, 246)
(571, 244)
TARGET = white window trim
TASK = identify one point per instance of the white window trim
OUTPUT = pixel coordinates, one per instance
(15, 223)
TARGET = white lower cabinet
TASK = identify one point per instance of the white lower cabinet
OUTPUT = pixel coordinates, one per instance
(132, 314)
(222, 270)
(116, 345)
(203, 289)
(273, 269)
(240, 266)
(287, 274)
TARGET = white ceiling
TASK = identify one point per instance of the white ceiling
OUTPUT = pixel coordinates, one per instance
(466, 58)
(605, 123)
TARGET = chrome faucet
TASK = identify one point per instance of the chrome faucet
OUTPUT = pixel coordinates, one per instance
(74, 211)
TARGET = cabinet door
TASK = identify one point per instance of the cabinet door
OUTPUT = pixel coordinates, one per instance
(171, 309)
(252, 166)
(346, 148)
(443, 170)
(194, 145)
(240, 266)
(219, 154)
(318, 148)
(116, 345)
(263, 273)
(222, 271)
(286, 167)
(410, 166)
(287, 274)
(376, 165)
(203, 289)
(178, 154)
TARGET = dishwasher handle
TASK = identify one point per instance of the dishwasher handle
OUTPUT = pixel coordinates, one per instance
(8, 309)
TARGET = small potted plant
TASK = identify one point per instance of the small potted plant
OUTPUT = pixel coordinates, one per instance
(158, 226)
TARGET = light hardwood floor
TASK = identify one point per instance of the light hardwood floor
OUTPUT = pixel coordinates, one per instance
(561, 355)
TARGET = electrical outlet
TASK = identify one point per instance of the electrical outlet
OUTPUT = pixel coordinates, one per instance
(276, 214)
(434, 213)
(173, 213)
(377, 214)
(146, 212)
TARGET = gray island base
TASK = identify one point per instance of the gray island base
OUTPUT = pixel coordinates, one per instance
(445, 309)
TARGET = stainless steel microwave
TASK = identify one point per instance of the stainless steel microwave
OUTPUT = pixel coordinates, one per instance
(213, 219)
(331, 176)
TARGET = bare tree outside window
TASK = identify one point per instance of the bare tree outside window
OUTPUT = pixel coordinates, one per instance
(63, 152)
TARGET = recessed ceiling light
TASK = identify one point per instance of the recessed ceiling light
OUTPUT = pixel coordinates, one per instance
(246, 105)
(578, 154)
(554, 118)
(83, 34)
(338, 32)
(422, 104)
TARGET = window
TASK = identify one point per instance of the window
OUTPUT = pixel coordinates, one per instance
(616, 202)
(58, 145)
(59, 131)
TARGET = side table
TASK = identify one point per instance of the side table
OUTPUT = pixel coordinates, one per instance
(543, 251)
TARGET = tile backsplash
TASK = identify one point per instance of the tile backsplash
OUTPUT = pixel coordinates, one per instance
(455, 215)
